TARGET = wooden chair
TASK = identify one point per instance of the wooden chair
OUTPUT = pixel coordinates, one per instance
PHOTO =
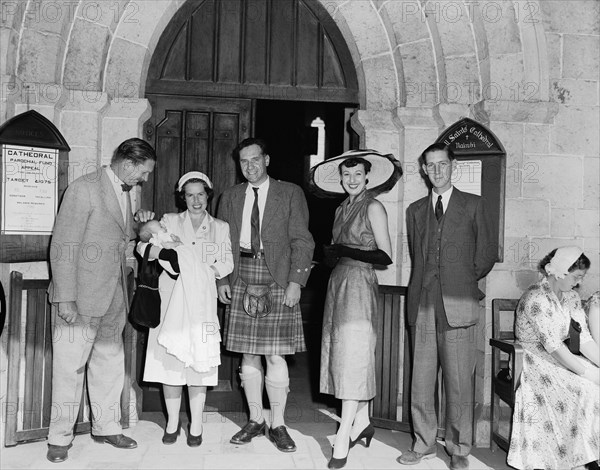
(507, 364)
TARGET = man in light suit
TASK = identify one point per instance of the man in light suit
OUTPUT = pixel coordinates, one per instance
(452, 246)
(272, 253)
(92, 230)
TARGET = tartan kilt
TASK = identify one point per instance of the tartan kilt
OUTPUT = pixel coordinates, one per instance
(279, 333)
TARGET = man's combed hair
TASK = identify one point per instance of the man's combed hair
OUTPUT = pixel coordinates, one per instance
(247, 143)
(435, 147)
(134, 149)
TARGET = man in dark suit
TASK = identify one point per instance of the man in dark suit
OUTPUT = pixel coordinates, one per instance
(272, 253)
(92, 231)
(452, 246)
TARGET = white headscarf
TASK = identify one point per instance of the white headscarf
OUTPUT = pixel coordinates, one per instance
(193, 175)
(562, 260)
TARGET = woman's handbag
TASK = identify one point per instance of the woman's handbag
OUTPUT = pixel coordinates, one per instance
(574, 331)
(145, 308)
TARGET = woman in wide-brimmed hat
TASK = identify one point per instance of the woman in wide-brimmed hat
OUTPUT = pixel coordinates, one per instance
(360, 240)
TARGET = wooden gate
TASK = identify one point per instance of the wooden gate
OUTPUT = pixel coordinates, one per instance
(29, 394)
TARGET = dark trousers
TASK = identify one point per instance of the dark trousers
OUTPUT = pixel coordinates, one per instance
(435, 344)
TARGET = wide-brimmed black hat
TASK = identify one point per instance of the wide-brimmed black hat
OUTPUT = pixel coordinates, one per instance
(384, 174)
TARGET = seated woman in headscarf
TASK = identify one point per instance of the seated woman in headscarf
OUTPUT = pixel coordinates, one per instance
(556, 415)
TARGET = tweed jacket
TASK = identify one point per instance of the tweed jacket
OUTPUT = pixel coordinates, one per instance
(87, 250)
(468, 252)
(287, 243)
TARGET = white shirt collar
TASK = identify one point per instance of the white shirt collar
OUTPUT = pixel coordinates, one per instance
(445, 198)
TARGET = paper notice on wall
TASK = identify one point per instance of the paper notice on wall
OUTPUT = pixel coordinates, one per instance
(29, 190)
(467, 176)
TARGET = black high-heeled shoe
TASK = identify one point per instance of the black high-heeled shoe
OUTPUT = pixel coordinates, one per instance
(193, 441)
(366, 434)
(171, 437)
(339, 463)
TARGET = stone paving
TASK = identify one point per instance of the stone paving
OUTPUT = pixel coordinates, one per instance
(313, 440)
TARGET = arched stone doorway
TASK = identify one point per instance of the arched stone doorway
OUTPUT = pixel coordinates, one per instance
(224, 71)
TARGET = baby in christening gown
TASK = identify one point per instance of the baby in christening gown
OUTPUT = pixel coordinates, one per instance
(187, 331)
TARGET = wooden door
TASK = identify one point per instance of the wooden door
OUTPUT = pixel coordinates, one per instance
(195, 133)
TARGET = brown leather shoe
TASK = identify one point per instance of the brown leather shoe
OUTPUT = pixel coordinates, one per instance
(459, 462)
(120, 441)
(410, 457)
(58, 454)
(248, 432)
(282, 439)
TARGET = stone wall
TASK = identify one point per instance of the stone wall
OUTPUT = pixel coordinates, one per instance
(526, 69)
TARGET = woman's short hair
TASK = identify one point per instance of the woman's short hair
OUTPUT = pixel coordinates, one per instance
(180, 195)
(353, 161)
(583, 262)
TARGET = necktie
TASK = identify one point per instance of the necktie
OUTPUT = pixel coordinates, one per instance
(439, 209)
(126, 187)
(255, 225)
(128, 214)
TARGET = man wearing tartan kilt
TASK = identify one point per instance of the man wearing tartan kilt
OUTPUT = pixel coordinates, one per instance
(272, 252)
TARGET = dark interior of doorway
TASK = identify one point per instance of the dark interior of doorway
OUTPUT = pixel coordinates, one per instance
(286, 126)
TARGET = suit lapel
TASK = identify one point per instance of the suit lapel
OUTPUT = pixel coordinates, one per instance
(239, 198)
(271, 205)
(422, 224)
(111, 201)
(455, 214)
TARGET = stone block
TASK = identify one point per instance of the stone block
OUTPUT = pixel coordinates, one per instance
(554, 178)
(507, 79)
(517, 253)
(581, 57)
(503, 36)
(562, 222)
(381, 81)
(408, 21)
(501, 284)
(574, 92)
(517, 111)
(585, 223)
(49, 17)
(453, 25)
(536, 138)
(591, 189)
(576, 131)
(462, 77)
(511, 136)
(80, 128)
(365, 23)
(124, 68)
(86, 54)
(554, 48)
(526, 278)
(420, 74)
(39, 57)
(527, 217)
(137, 17)
(573, 16)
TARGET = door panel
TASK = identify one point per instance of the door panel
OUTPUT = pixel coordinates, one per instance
(194, 133)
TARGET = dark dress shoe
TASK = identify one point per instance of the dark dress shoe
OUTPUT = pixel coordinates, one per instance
(459, 462)
(282, 439)
(171, 437)
(251, 430)
(193, 441)
(118, 440)
(57, 454)
(366, 434)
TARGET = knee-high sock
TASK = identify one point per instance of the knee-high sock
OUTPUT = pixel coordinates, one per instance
(197, 399)
(173, 402)
(277, 391)
(252, 383)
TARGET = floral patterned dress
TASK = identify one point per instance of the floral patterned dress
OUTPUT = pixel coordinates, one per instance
(556, 416)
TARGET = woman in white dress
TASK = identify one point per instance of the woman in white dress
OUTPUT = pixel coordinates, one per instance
(189, 301)
(556, 415)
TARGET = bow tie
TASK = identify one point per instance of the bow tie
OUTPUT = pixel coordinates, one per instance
(126, 187)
